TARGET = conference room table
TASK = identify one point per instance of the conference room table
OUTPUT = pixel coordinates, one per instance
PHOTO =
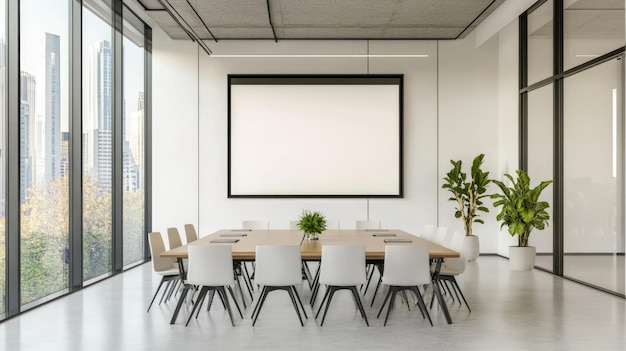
(244, 241)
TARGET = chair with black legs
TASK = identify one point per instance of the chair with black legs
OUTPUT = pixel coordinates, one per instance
(210, 269)
(342, 267)
(277, 268)
(164, 267)
(453, 267)
(405, 268)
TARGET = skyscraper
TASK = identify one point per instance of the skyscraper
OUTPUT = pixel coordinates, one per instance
(28, 87)
(98, 110)
(53, 108)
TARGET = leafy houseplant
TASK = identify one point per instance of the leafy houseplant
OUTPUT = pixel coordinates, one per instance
(312, 223)
(468, 194)
(521, 213)
(521, 209)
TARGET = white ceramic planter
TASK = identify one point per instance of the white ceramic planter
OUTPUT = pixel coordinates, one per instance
(471, 247)
(522, 258)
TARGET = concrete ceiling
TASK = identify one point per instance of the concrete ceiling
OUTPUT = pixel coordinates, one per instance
(318, 19)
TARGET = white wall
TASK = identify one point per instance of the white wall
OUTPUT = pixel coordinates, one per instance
(449, 95)
(468, 122)
(508, 120)
(174, 132)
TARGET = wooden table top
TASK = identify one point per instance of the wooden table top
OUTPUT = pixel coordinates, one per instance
(374, 242)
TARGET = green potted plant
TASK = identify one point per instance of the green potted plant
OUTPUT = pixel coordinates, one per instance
(312, 223)
(522, 211)
(468, 195)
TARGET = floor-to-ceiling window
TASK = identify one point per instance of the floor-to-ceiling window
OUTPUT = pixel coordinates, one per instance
(133, 139)
(97, 52)
(3, 26)
(61, 125)
(44, 226)
(572, 107)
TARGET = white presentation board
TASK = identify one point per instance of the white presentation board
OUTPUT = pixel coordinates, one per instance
(315, 136)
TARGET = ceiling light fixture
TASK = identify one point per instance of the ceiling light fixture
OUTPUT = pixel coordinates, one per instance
(310, 56)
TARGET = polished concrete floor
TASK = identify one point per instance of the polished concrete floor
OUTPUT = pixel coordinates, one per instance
(605, 271)
(510, 311)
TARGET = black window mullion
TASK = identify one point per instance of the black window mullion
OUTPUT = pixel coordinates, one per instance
(117, 191)
(12, 134)
(75, 149)
(148, 138)
(523, 97)
(557, 212)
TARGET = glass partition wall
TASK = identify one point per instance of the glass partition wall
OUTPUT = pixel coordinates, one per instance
(572, 99)
(58, 170)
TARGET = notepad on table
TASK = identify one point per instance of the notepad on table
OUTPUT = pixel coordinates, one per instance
(234, 235)
(398, 240)
(384, 234)
(224, 240)
(375, 230)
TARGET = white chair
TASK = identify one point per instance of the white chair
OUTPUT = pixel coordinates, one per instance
(440, 235)
(162, 266)
(342, 267)
(293, 225)
(332, 224)
(405, 268)
(428, 231)
(210, 268)
(452, 267)
(365, 225)
(278, 268)
(256, 225)
(190, 233)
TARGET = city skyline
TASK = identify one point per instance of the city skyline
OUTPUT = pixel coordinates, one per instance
(44, 153)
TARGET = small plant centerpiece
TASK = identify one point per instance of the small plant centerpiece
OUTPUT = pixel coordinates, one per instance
(312, 223)
(521, 213)
(468, 195)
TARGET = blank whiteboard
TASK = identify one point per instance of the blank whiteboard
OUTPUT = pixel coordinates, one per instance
(315, 136)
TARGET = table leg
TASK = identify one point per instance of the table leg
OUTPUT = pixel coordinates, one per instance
(437, 291)
(183, 294)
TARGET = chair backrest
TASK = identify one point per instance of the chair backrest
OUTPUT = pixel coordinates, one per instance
(294, 225)
(440, 235)
(457, 240)
(332, 224)
(361, 225)
(190, 232)
(406, 265)
(157, 246)
(210, 265)
(428, 231)
(342, 265)
(278, 265)
(447, 239)
(263, 225)
(173, 237)
(457, 264)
